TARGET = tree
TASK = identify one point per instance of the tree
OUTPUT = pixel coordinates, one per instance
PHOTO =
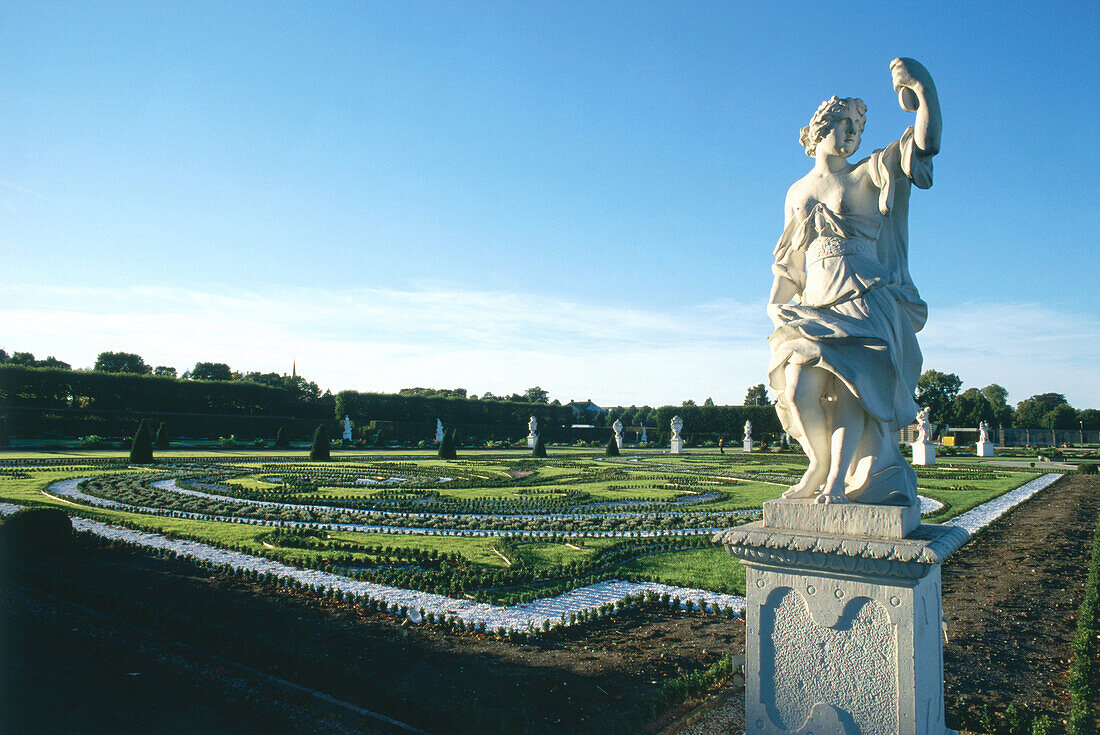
(1032, 412)
(1089, 418)
(970, 408)
(164, 371)
(121, 362)
(211, 371)
(281, 440)
(937, 390)
(688, 402)
(757, 396)
(319, 452)
(141, 451)
(536, 395)
(1061, 416)
(540, 448)
(5, 440)
(709, 401)
(998, 398)
(162, 436)
(447, 448)
(612, 448)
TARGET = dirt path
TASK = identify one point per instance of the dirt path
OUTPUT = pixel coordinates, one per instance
(1011, 597)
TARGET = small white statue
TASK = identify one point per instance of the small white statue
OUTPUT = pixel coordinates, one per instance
(347, 428)
(618, 428)
(983, 431)
(438, 430)
(643, 433)
(924, 425)
(677, 443)
(533, 427)
(748, 431)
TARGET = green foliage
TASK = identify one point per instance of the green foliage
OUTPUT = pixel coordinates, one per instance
(162, 436)
(1047, 411)
(1087, 468)
(36, 528)
(5, 439)
(937, 391)
(611, 449)
(1082, 671)
(447, 448)
(121, 362)
(141, 450)
(757, 396)
(211, 371)
(281, 439)
(540, 448)
(320, 452)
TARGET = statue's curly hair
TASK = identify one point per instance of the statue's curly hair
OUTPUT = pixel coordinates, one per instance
(827, 113)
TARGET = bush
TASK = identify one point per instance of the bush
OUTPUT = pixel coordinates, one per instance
(1087, 468)
(37, 528)
(5, 440)
(447, 446)
(540, 448)
(319, 452)
(141, 450)
(281, 439)
(162, 436)
(92, 441)
(612, 448)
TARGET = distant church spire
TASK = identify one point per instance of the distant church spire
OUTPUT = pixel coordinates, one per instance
(294, 369)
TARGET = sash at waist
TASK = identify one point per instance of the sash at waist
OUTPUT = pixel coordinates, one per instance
(829, 246)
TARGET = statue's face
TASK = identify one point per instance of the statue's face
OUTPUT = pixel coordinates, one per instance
(843, 137)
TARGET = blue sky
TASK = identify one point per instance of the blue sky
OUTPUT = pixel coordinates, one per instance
(582, 196)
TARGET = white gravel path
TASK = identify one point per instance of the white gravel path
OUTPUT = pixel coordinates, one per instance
(521, 617)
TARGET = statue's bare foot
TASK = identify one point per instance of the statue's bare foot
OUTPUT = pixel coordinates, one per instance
(808, 486)
(833, 493)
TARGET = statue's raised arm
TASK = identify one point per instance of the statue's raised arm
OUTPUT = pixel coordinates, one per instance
(917, 93)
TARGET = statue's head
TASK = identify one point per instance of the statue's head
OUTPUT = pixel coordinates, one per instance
(845, 116)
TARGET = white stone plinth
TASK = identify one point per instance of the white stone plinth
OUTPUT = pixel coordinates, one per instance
(532, 440)
(677, 445)
(746, 445)
(985, 449)
(856, 519)
(843, 632)
(924, 453)
(619, 441)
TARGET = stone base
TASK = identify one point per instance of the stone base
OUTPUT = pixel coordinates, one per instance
(853, 519)
(532, 440)
(677, 446)
(985, 449)
(924, 453)
(842, 632)
(619, 441)
(746, 445)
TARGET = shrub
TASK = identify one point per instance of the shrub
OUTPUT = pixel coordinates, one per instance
(141, 450)
(447, 446)
(37, 528)
(92, 441)
(612, 448)
(1087, 468)
(162, 436)
(5, 440)
(540, 448)
(281, 439)
(319, 452)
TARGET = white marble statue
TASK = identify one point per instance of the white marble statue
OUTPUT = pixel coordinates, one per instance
(677, 426)
(438, 430)
(618, 429)
(532, 432)
(347, 428)
(983, 432)
(924, 425)
(676, 445)
(748, 431)
(844, 353)
(643, 433)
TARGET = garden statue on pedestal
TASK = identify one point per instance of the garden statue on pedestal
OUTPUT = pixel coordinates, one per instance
(746, 441)
(984, 447)
(617, 427)
(532, 432)
(438, 431)
(347, 428)
(677, 444)
(842, 579)
(924, 450)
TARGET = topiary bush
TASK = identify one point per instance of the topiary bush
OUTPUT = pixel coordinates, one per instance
(447, 448)
(141, 450)
(36, 528)
(320, 452)
(612, 448)
(1087, 468)
(540, 448)
(281, 439)
(162, 436)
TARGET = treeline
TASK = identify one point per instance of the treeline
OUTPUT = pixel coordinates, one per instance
(949, 404)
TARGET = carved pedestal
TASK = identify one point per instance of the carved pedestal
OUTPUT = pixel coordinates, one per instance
(677, 446)
(985, 449)
(842, 619)
(746, 445)
(532, 440)
(924, 453)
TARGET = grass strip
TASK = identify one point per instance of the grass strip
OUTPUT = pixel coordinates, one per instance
(1082, 670)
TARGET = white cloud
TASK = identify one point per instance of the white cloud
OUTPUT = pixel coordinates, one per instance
(382, 339)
